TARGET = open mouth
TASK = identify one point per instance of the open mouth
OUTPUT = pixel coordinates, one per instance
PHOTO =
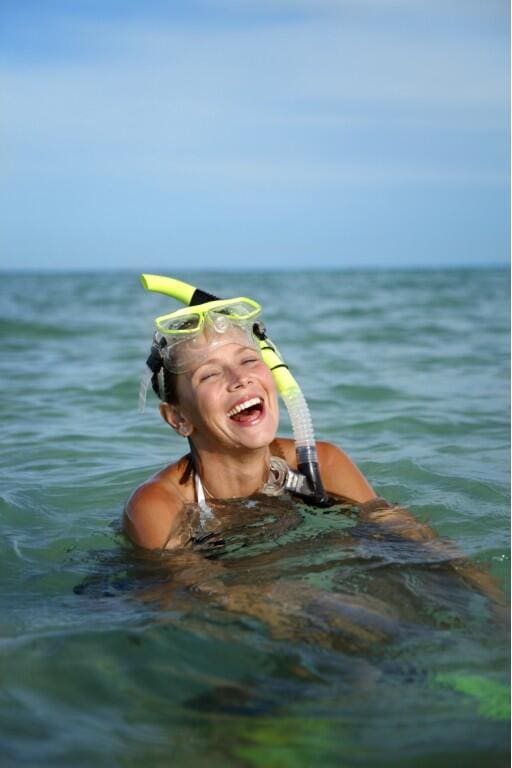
(247, 410)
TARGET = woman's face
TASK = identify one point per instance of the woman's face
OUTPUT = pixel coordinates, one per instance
(229, 398)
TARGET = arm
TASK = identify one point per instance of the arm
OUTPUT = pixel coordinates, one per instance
(341, 477)
(398, 521)
(292, 610)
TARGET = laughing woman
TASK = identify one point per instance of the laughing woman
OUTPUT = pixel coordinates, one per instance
(207, 367)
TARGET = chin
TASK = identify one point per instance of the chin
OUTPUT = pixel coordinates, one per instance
(260, 440)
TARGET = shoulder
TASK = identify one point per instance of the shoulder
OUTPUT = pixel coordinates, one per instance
(339, 474)
(154, 508)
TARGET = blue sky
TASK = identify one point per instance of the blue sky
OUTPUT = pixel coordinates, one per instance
(253, 134)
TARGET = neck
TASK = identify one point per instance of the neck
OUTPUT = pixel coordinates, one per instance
(226, 476)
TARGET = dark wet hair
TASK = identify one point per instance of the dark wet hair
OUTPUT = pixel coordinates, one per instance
(168, 393)
(163, 382)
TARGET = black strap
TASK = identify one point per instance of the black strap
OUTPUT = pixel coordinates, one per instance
(201, 297)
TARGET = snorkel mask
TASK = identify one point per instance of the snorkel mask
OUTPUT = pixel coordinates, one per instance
(186, 335)
(206, 314)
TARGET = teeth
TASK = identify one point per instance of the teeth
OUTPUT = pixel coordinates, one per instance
(242, 406)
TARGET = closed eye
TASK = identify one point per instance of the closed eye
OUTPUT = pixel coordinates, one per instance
(208, 375)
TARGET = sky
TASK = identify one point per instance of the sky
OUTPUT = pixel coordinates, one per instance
(254, 134)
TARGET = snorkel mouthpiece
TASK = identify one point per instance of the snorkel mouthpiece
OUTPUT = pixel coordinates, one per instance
(307, 483)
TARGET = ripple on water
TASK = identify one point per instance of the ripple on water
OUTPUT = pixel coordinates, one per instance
(302, 634)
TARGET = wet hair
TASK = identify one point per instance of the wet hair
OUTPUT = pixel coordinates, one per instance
(165, 386)
(163, 382)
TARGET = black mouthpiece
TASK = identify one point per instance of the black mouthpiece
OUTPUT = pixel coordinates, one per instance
(318, 497)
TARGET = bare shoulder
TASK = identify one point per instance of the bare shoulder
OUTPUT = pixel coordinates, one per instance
(339, 474)
(154, 509)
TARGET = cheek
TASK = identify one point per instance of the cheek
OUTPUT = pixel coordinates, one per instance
(206, 403)
(188, 400)
(268, 380)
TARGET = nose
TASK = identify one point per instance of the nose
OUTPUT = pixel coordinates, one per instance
(238, 377)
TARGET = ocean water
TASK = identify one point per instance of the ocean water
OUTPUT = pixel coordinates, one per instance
(304, 638)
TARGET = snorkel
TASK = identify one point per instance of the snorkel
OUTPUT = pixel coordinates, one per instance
(307, 483)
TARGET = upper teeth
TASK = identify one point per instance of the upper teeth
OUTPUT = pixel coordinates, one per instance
(244, 405)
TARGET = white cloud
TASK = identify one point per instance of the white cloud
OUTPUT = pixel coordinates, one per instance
(185, 85)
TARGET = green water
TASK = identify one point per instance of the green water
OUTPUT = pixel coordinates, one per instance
(299, 638)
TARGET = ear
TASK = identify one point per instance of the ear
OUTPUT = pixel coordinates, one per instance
(173, 416)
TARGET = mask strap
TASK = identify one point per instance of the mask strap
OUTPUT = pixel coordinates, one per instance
(143, 388)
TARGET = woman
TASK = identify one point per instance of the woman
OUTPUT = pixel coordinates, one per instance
(218, 393)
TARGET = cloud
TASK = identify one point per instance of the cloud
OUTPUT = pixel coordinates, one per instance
(175, 80)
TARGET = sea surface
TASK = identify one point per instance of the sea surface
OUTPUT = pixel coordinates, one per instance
(301, 637)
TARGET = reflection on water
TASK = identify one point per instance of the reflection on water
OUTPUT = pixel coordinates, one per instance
(279, 608)
(293, 567)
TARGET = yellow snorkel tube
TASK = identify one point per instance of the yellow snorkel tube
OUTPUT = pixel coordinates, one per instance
(308, 484)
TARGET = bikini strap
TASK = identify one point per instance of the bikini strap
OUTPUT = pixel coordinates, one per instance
(204, 510)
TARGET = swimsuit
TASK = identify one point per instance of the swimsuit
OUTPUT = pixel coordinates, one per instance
(275, 485)
(205, 513)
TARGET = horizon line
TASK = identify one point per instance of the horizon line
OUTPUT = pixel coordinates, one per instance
(274, 270)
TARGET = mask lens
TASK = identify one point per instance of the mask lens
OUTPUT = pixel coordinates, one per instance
(241, 310)
(190, 323)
